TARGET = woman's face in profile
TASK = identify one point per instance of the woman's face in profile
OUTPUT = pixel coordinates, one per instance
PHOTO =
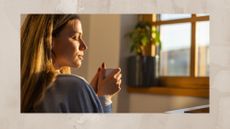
(69, 46)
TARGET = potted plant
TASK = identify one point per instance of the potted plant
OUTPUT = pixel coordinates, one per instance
(143, 66)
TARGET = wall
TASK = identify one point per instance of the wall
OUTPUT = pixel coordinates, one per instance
(101, 32)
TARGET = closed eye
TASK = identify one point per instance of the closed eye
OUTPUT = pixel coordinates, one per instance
(76, 38)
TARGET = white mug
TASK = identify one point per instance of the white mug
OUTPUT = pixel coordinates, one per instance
(108, 71)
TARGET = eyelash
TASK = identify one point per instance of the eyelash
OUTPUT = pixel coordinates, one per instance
(75, 38)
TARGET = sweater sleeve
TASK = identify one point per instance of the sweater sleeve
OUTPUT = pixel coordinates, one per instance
(84, 98)
(104, 101)
(106, 104)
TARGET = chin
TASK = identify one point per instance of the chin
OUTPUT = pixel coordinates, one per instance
(77, 64)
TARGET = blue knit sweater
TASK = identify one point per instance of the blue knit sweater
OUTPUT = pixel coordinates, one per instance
(72, 94)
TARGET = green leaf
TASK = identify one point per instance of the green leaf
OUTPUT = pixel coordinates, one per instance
(144, 40)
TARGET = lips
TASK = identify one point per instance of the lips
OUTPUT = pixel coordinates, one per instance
(78, 56)
(81, 57)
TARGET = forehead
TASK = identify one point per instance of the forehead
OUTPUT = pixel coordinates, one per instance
(74, 26)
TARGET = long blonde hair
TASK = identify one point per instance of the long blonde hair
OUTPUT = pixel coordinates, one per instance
(37, 69)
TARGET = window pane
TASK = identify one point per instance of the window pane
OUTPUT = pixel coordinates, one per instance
(174, 16)
(175, 52)
(202, 40)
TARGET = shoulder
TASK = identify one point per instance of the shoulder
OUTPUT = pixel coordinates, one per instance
(70, 78)
(71, 82)
(69, 93)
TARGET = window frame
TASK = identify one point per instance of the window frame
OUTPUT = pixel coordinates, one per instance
(180, 85)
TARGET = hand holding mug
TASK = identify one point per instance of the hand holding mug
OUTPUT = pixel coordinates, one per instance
(109, 82)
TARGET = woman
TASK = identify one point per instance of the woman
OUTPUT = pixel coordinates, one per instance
(50, 45)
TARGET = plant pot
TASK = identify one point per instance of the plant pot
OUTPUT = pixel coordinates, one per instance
(142, 71)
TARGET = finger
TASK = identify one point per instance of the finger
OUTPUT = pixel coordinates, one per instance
(118, 72)
(103, 65)
(119, 82)
(119, 76)
(102, 72)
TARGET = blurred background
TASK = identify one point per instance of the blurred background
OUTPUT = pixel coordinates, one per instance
(183, 59)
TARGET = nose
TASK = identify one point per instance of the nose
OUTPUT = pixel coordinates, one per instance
(83, 45)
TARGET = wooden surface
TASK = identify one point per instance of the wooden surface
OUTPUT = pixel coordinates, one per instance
(185, 82)
(172, 91)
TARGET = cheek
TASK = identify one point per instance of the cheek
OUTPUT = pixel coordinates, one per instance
(70, 51)
(71, 48)
(63, 49)
(66, 51)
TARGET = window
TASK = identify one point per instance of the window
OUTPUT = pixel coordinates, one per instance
(175, 51)
(184, 56)
(178, 37)
(202, 41)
